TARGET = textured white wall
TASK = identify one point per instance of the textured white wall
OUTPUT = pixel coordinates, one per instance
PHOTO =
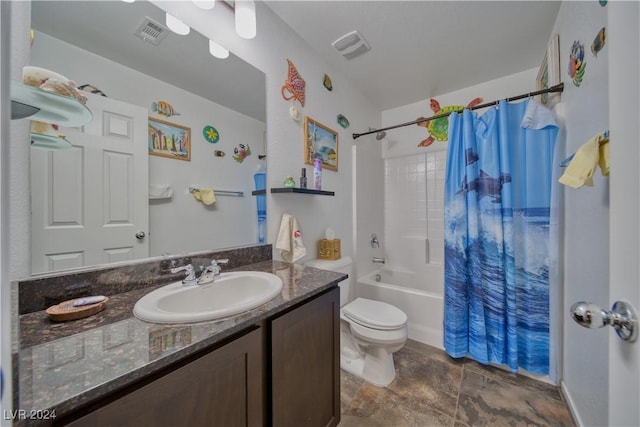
(180, 224)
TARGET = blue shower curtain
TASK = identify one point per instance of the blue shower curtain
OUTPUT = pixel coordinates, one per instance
(497, 207)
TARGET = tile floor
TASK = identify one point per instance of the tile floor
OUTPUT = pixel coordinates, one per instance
(432, 389)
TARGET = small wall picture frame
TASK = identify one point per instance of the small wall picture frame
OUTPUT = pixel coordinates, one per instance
(320, 142)
(549, 73)
(170, 140)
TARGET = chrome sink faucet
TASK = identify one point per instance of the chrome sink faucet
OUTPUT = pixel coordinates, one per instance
(190, 278)
(208, 274)
(211, 272)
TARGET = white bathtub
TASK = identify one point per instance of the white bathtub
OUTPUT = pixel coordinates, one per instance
(420, 296)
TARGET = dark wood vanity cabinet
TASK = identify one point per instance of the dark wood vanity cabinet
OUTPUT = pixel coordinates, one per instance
(224, 387)
(305, 364)
(283, 373)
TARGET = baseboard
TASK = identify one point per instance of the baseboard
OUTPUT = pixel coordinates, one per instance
(570, 404)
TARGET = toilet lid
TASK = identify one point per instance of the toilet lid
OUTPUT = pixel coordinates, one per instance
(375, 314)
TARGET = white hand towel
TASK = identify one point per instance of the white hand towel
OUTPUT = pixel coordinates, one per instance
(289, 240)
(160, 191)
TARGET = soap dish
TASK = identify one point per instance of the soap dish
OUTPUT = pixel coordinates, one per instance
(66, 311)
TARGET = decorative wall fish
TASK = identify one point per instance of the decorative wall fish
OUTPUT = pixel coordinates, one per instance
(92, 89)
(326, 82)
(241, 152)
(599, 41)
(294, 85)
(163, 108)
(577, 63)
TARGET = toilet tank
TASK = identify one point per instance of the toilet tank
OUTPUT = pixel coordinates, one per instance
(342, 265)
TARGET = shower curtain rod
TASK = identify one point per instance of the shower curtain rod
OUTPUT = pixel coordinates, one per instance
(556, 88)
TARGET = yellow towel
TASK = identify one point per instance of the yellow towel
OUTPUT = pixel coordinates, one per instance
(208, 196)
(581, 168)
(205, 195)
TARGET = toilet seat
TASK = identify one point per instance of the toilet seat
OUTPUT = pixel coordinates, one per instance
(379, 336)
(375, 314)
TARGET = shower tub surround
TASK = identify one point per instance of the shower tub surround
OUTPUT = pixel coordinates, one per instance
(61, 367)
(413, 276)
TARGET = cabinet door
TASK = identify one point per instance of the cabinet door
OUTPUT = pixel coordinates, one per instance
(222, 388)
(306, 364)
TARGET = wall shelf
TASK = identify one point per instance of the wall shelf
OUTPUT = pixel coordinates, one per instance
(49, 142)
(302, 191)
(47, 107)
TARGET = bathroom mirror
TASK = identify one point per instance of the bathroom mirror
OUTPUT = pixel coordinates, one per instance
(219, 102)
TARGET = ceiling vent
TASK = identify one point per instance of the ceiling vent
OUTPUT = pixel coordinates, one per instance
(151, 31)
(351, 45)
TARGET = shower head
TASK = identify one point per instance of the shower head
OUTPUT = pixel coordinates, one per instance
(379, 135)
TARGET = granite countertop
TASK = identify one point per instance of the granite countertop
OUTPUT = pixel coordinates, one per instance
(62, 366)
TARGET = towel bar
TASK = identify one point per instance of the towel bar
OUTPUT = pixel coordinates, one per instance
(221, 192)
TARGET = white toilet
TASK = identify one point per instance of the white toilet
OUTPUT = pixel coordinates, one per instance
(370, 331)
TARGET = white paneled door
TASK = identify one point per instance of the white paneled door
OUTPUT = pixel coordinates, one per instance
(623, 37)
(90, 203)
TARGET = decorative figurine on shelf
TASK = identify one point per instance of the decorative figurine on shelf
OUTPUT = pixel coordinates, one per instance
(289, 182)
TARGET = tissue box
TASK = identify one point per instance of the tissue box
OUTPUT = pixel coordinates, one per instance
(329, 249)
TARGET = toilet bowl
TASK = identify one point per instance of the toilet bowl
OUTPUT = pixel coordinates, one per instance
(370, 331)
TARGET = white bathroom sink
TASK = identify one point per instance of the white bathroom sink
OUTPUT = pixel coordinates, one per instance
(231, 293)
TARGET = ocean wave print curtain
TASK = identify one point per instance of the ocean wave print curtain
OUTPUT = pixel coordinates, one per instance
(497, 207)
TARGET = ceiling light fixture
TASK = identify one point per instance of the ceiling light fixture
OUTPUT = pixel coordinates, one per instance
(176, 25)
(205, 4)
(218, 51)
(245, 11)
(128, 1)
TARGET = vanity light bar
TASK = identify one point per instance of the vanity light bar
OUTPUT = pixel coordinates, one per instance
(176, 25)
(218, 51)
(245, 12)
(205, 4)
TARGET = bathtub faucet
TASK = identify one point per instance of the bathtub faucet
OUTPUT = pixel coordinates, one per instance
(378, 260)
(375, 243)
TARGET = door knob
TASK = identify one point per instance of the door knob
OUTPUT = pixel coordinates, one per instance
(622, 317)
(140, 235)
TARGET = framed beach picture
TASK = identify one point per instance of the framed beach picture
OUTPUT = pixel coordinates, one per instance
(320, 142)
(169, 140)
(549, 73)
